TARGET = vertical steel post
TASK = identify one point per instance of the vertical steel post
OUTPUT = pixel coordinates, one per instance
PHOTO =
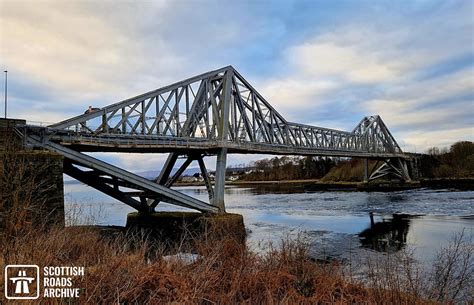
(124, 124)
(223, 130)
(219, 188)
(366, 170)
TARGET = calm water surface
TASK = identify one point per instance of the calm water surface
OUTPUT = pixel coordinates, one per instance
(336, 223)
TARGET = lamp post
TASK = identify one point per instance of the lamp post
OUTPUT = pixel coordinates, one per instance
(6, 84)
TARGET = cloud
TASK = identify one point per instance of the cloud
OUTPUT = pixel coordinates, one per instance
(434, 101)
(417, 74)
(67, 47)
(328, 58)
(84, 53)
(420, 142)
(323, 64)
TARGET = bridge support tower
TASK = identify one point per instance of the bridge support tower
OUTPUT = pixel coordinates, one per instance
(220, 179)
(366, 170)
(393, 167)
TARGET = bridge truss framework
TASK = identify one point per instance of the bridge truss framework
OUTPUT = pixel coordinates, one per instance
(214, 113)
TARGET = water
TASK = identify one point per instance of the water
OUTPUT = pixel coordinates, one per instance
(335, 223)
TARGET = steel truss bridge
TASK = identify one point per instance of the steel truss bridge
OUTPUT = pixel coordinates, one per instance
(214, 113)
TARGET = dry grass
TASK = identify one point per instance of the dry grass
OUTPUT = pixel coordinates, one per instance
(121, 270)
(351, 170)
(399, 278)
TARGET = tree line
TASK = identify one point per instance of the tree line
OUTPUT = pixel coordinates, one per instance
(289, 168)
(454, 162)
(457, 161)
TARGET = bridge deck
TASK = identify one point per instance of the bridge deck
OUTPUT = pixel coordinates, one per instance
(157, 144)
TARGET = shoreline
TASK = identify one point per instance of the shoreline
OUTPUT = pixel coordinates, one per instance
(461, 183)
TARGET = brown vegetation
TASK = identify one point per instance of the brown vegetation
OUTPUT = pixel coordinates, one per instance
(448, 281)
(25, 193)
(457, 162)
(351, 170)
(121, 270)
(289, 168)
(224, 273)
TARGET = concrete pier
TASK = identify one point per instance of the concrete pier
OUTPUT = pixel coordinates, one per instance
(31, 182)
(178, 226)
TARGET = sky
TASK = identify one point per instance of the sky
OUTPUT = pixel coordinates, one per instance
(324, 63)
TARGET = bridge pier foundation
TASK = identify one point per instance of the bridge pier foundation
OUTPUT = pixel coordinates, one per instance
(31, 184)
(219, 187)
(172, 228)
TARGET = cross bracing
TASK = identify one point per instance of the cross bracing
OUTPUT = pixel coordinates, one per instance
(214, 113)
(189, 114)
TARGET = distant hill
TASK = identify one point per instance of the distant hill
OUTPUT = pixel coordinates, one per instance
(150, 174)
(153, 174)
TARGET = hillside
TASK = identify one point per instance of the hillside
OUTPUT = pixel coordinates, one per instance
(457, 162)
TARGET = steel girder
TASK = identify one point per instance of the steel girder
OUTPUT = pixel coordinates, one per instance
(198, 110)
(213, 113)
(111, 180)
(166, 179)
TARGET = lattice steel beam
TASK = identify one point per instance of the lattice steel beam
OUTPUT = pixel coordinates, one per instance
(217, 112)
(112, 172)
(220, 106)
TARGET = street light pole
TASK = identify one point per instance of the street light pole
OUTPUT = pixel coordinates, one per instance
(6, 83)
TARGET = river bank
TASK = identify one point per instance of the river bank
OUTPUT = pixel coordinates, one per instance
(317, 184)
(118, 270)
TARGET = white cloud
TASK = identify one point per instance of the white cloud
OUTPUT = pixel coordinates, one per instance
(420, 141)
(428, 103)
(329, 59)
(378, 70)
(100, 52)
(292, 94)
(72, 48)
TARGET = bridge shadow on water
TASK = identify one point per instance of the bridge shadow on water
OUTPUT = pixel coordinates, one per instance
(388, 235)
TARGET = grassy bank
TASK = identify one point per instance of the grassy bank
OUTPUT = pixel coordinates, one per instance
(121, 271)
(131, 268)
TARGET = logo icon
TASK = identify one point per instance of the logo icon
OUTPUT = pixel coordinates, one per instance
(21, 282)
